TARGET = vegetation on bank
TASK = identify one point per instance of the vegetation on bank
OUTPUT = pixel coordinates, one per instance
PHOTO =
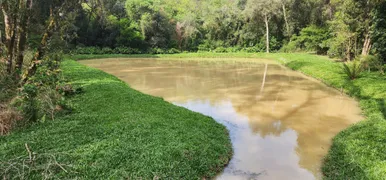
(115, 132)
(357, 152)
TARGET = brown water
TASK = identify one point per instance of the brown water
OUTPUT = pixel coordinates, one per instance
(280, 127)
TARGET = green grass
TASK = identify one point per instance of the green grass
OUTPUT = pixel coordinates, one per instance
(358, 152)
(116, 132)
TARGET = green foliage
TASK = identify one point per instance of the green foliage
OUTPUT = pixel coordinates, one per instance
(311, 38)
(106, 50)
(220, 50)
(372, 63)
(173, 51)
(90, 142)
(352, 69)
(252, 49)
(126, 50)
(87, 50)
(378, 31)
(8, 84)
(39, 97)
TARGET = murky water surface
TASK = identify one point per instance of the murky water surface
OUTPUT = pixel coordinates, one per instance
(281, 122)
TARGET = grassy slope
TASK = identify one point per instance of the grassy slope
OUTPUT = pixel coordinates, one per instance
(118, 132)
(358, 152)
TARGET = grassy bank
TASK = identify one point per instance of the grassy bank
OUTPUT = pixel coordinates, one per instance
(116, 132)
(359, 152)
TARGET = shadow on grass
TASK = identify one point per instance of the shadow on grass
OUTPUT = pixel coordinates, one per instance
(365, 139)
(296, 65)
(366, 100)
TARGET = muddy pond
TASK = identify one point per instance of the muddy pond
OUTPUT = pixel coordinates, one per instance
(281, 122)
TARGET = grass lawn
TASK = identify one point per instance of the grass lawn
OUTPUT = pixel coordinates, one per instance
(116, 132)
(359, 152)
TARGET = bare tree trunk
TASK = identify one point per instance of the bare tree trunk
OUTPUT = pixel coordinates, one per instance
(286, 20)
(348, 50)
(9, 36)
(366, 45)
(179, 34)
(22, 33)
(267, 31)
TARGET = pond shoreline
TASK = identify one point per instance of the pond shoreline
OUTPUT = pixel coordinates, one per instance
(358, 151)
(116, 131)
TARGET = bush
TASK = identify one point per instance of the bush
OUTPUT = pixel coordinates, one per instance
(311, 38)
(123, 50)
(372, 63)
(352, 69)
(173, 51)
(87, 50)
(203, 48)
(251, 49)
(233, 49)
(8, 84)
(107, 50)
(40, 97)
(292, 46)
(220, 50)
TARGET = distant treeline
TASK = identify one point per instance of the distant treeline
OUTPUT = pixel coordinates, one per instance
(338, 28)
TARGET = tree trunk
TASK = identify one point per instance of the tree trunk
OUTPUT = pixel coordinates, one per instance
(9, 37)
(267, 31)
(286, 21)
(366, 45)
(40, 52)
(22, 33)
(348, 50)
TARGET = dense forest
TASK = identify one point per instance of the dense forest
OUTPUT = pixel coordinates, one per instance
(339, 28)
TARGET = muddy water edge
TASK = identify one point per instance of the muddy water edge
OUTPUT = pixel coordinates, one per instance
(281, 122)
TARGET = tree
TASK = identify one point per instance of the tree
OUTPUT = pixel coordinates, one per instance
(378, 30)
(58, 13)
(351, 26)
(264, 9)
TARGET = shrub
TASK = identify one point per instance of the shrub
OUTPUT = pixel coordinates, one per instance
(40, 97)
(107, 50)
(233, 49)
(292, 46)
(203, 48)
(253, 49)
(87, 50)
(220, 50)
(123, 50)
(8, 84)
(372, 63)
(173, 51)
(311, 38)
(352, 69)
